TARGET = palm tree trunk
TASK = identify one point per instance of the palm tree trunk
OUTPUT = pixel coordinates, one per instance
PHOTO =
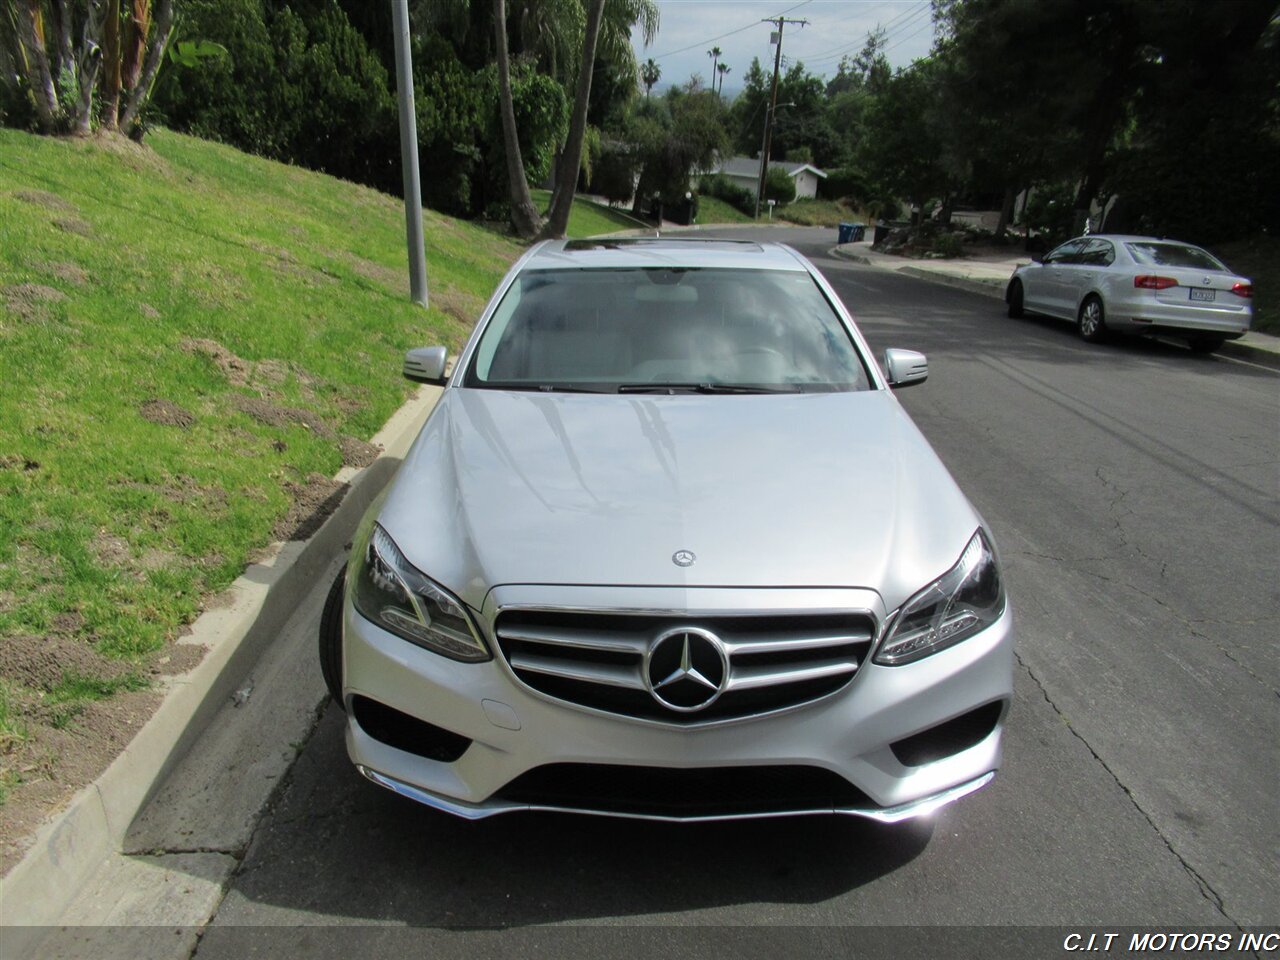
(135, 42)
(90, 65)
(111, 50)
(571, 158)
(40, 77)
(524, 217)
(141, 91)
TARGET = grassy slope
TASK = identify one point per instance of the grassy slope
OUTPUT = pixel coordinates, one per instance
(714, 210)
(113, 527)
(817, 213)
(587, 218)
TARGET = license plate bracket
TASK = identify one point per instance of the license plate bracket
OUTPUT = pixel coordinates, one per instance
(1203, 296)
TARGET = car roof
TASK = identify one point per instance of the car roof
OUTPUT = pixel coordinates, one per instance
(662, 252)
(1135, 238)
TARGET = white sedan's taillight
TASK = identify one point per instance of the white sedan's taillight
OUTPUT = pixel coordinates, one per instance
(1243, 290)
(1150, 282)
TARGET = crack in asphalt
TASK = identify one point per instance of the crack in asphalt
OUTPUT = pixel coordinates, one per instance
(1206, 889)
(273, 801)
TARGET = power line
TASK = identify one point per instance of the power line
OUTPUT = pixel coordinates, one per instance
(899, 28)
(694, 46)
(886, 27)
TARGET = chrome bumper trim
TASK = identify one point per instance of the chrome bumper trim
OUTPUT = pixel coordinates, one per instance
(491, 808)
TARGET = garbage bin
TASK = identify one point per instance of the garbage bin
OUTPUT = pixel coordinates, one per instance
(845, 233)
(859, 232)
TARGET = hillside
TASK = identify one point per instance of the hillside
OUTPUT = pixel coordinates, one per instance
(192, 342)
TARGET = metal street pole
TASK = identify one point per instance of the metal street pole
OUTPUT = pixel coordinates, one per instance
(771, 108)
(409, 154)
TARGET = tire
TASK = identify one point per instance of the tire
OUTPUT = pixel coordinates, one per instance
(1091, 320)
(1205, 345)
(331, 637)
(1014, 299)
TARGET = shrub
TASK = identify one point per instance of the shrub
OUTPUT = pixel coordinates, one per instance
(614, 177)
(778, 186)
(948, 245)
(722, 188)
(845, 183)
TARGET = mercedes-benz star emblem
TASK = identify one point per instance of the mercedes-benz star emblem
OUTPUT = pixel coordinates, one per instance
(683, 558)
(686, 669)
(1207, 281)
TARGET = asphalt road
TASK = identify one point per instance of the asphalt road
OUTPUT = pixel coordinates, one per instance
(1133, 492)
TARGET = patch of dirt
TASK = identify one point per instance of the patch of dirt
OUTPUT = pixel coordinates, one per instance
(356, 452)
(148, 311)
(52, 764)
(111, 551)
(29, 301)
(166, 414)
(308, 275)
(50, 201)
(276, 416)
(177, 659)
(279, 253)
(74, 225)
(313, 502)
(67, 624)
(232, 367)
(156, 559)
(68, 272)
(41, 663)
(14, 462)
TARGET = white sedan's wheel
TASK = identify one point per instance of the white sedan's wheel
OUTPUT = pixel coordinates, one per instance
(1092, 320)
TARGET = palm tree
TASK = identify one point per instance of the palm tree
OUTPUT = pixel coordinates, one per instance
(650, 74)
(714, 54)
(571, 157)
(723, 69)
(524, 216)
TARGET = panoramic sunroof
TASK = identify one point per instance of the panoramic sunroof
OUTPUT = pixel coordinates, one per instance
(657, 243)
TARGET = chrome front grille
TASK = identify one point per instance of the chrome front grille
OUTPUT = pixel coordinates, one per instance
(599, 660)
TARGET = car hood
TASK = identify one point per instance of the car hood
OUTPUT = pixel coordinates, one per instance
(806, 490)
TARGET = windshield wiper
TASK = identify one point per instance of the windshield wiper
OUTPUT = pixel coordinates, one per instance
(701, 388)
(543, 388)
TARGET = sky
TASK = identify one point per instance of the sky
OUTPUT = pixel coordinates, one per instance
(689, 28)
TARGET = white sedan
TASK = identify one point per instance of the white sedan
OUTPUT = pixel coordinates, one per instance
(1138, 285)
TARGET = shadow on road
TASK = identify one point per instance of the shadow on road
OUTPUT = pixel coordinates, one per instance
(386, 859)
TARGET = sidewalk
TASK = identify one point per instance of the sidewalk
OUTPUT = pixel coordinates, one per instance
(989, 275)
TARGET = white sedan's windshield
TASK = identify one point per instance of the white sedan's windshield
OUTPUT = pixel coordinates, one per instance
(633, 330)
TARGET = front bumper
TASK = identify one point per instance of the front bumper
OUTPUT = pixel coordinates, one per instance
(514, 730)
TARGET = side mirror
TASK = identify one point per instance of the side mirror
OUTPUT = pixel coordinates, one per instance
(426, 365)
(1037, 258)
(905, 368)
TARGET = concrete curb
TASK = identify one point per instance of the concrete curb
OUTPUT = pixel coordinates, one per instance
(69, 848)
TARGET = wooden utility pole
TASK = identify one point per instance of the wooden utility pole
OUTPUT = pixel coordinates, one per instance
(779, 22)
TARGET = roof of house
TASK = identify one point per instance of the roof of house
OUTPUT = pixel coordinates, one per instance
(747, 167)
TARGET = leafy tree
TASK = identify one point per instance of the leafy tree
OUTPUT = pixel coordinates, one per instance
(672, 138)
(903, 152)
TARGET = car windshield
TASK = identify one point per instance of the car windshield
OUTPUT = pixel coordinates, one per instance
(658, 330)
(1174, 255)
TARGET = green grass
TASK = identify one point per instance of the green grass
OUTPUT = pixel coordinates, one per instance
(112, 259)
(588, 218)
(817, 213)
(1258, 258)
(714, 210)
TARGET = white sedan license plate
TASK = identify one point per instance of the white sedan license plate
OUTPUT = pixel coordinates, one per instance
(1205, 296)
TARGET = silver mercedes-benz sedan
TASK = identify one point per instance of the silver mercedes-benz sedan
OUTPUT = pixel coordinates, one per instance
(1136, 285)
(669, 547)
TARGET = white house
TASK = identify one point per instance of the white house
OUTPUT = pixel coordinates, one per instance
(745, 172)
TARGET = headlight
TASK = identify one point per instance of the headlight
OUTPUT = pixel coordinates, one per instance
(967, 598)
(393, 594)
